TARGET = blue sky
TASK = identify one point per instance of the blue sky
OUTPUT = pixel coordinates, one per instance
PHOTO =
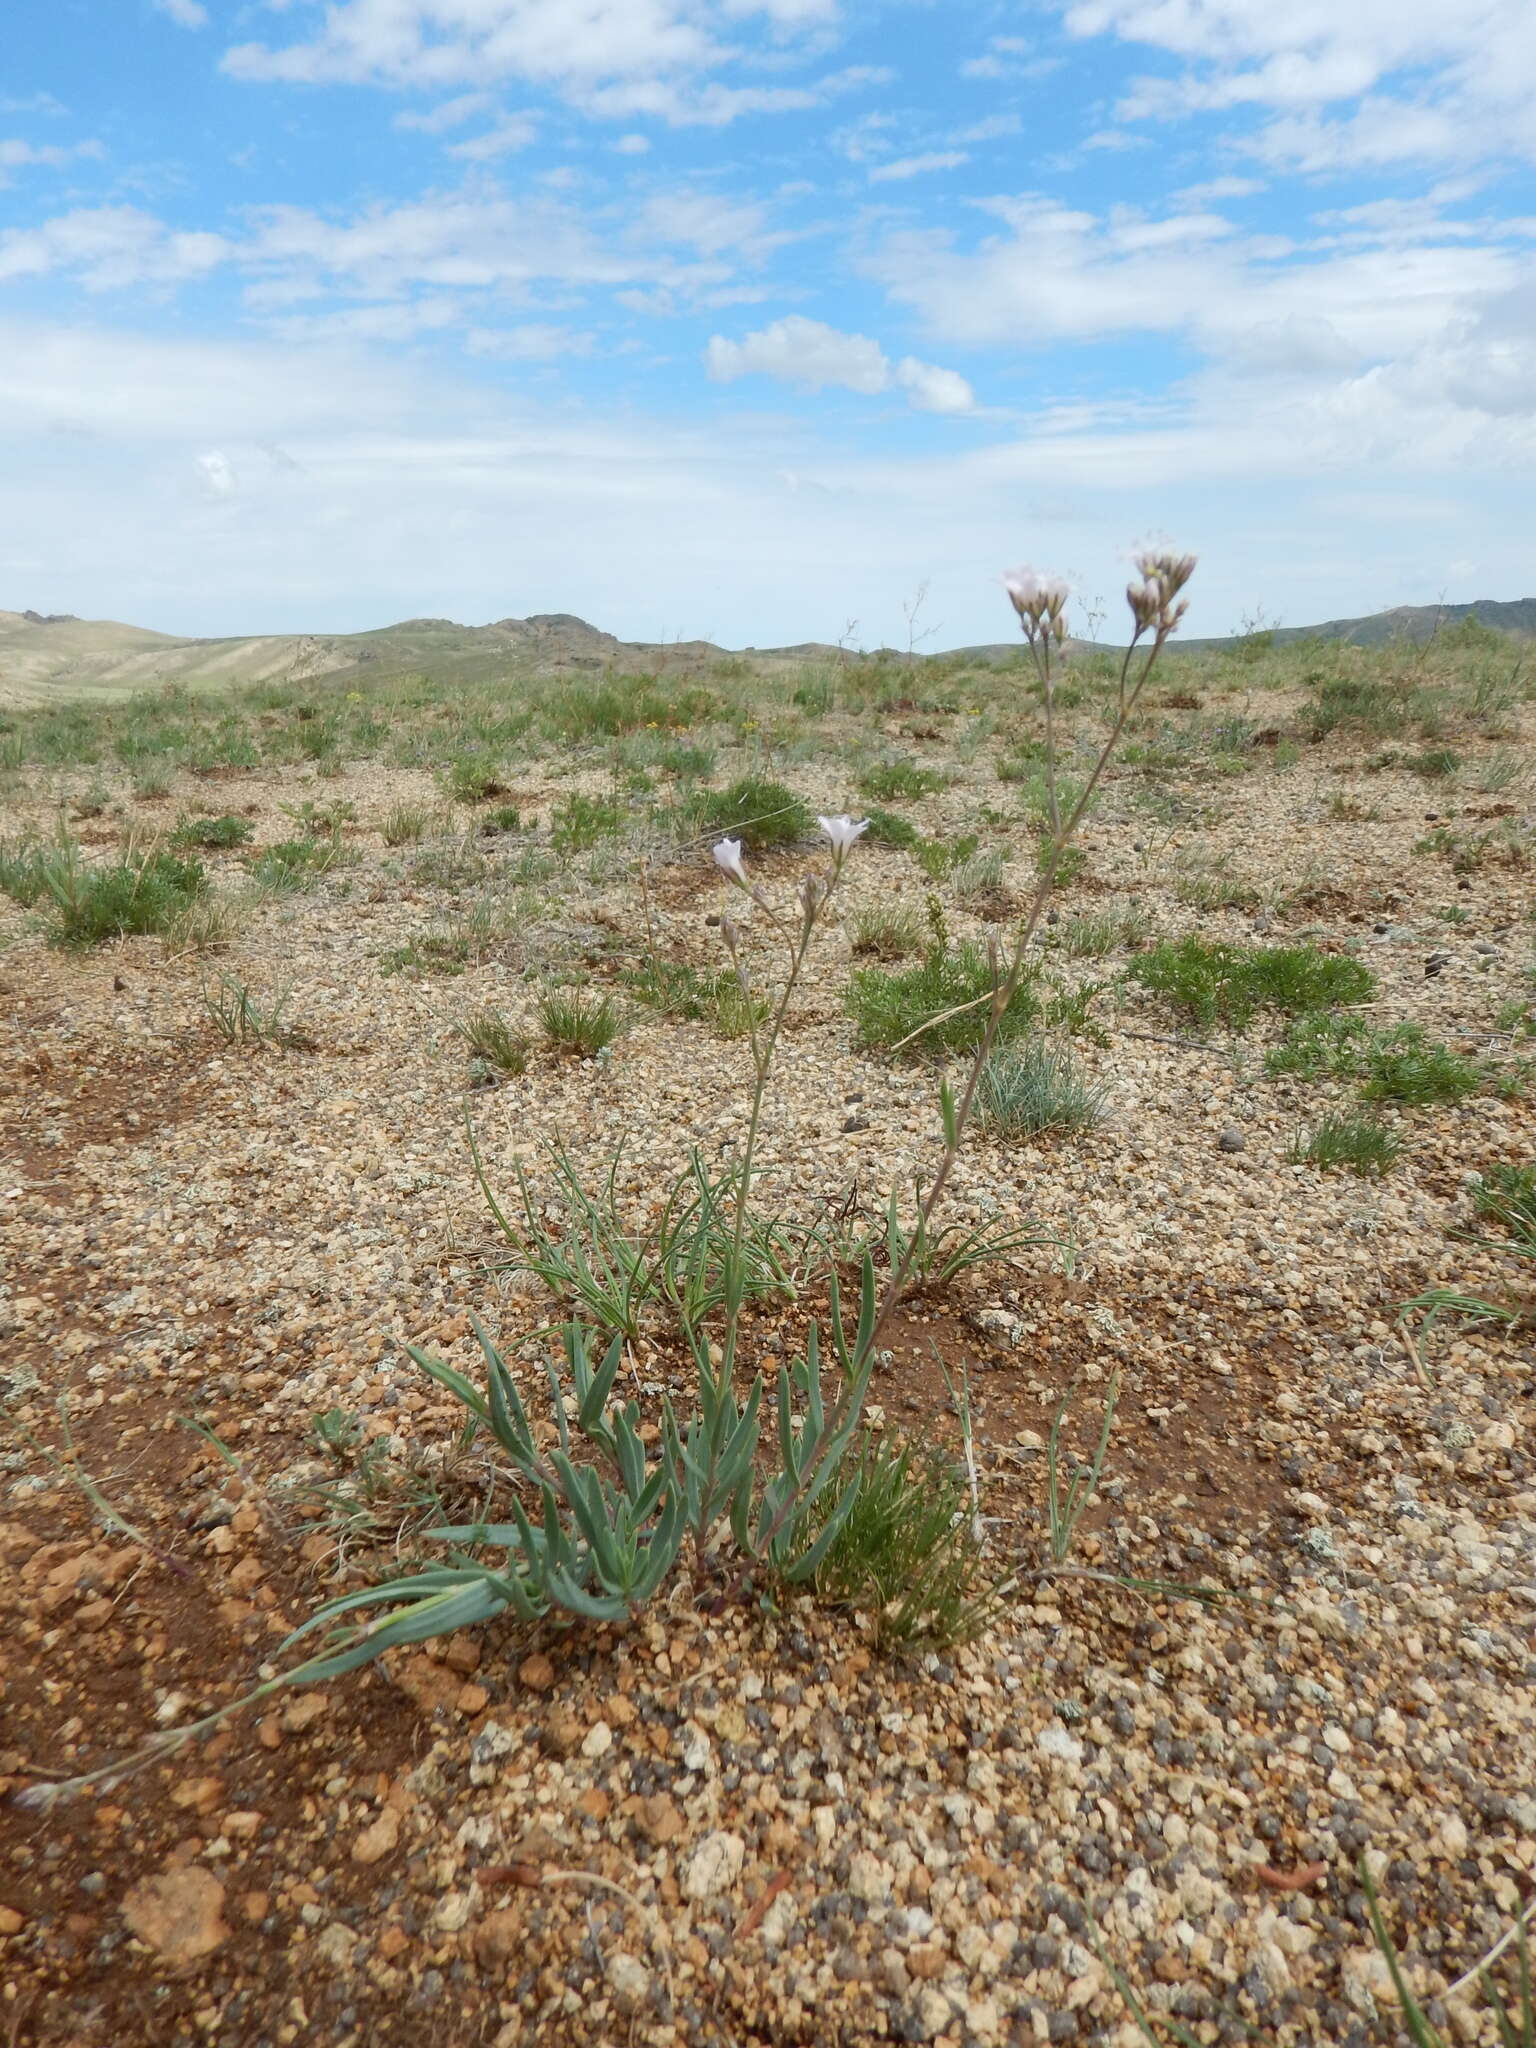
(753, 318)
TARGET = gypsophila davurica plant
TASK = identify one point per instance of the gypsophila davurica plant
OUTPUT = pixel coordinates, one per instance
(593, 1508)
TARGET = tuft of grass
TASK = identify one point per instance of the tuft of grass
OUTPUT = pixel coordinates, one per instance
(1034, 1086)
(757, 811)
(1106, 931)
(1362, 1143)
(241, 1017)
(504, 818)
(1437, 764)
(889, 828)
(23, 868)
(1403, 1066)
(404, 825)
(577, 1024)
(145, 892)
(491, 1038)
(212, 834)
(1212, 982)
(585, 711)
(1507, 1198)
(898, 780)
(979, 877)
(1022, 763)
(294, 864)
(471, 778)
(887, 932)
(938, 858)
(943, 1000)
(906, 1552)
(582, 822)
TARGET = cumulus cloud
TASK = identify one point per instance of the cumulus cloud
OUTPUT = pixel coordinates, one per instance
(16, 155)
(813, 356)
(216, 473)
(109, 246)
(916, 166)
(613, 57)
(1427, 82)
(185, 13)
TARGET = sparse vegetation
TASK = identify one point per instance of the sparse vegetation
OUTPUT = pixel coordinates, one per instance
(1364, 1144)
(1213, 983)
(581, 1025)
(1031, 1087)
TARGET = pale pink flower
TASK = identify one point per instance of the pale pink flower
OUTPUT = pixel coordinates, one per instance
(843, 832)
(728, 860)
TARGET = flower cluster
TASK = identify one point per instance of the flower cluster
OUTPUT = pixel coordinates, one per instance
(1152, 600)
(1040, 602)
(841, 833)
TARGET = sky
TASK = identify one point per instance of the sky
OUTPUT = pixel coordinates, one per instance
(763, 320)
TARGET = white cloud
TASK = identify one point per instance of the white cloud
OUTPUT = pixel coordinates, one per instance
(16, 155)
(1466, 75)
(918, 166)
(185, 13)
(530, 343)
(811, 355)
(107, 247)
(611, 56)
(447, 113)
(632, 145)
(216, 474)
(512, 132)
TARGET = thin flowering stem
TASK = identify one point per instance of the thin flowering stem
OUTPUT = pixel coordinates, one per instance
(1154, 610)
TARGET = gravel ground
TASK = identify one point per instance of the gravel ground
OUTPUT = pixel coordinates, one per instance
(745, 1826)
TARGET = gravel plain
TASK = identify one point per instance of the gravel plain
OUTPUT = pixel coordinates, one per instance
(748, 1825)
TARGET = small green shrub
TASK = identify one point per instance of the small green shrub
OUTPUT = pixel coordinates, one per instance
(1403, 1066)
(1362, 1143)
(471, 778)
(938, 858)
(577, 1024)
(1100, 932)
(584, 711)
(888, 1006)
(897, 780)
(756, 811)
(23, 867)
(294, 864)
(1436, 765)
(1211, 982)
(887, 933)
(1507, 1198)
(491, 1038)
(241, 1017)
(906, 1552)
(1033, 1087)
(404, 825)
(212, 834)
(979, 877)
(1022, 762)
(147, 892)
(889, 828)
(504, 818)
(582, 822)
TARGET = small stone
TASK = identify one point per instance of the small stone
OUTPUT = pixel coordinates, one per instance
(305, 1712)
(714, 1866)
(630, 1982)
(178, 1914)
(1232, 1140)
(335, 1945)
(378, 1838)
(537, 1673)
(598, 1740)
(11, 1922)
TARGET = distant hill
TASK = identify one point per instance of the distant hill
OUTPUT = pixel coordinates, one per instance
(52, 656)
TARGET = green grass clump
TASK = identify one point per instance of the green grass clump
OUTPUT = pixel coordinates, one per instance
(1436, 765)
(624, 704)
(1403, 1066)
(577, 1024)
(1022, 763)
(582, 822)
(1033, 1087)
(1105, 931)
(758, 812)
(491, 1038)
(1212, 982)
(404, 825)
(895, 780)
(938, 858)
(1362, 1143)
(1507, 1198)
(23, 867)
(907, 1552)
(212, 834)
(889, 828)
(1319, 1047)
(472, 777)
(887, 932)
(148, 892)
(888, 1006)
(293, 864)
